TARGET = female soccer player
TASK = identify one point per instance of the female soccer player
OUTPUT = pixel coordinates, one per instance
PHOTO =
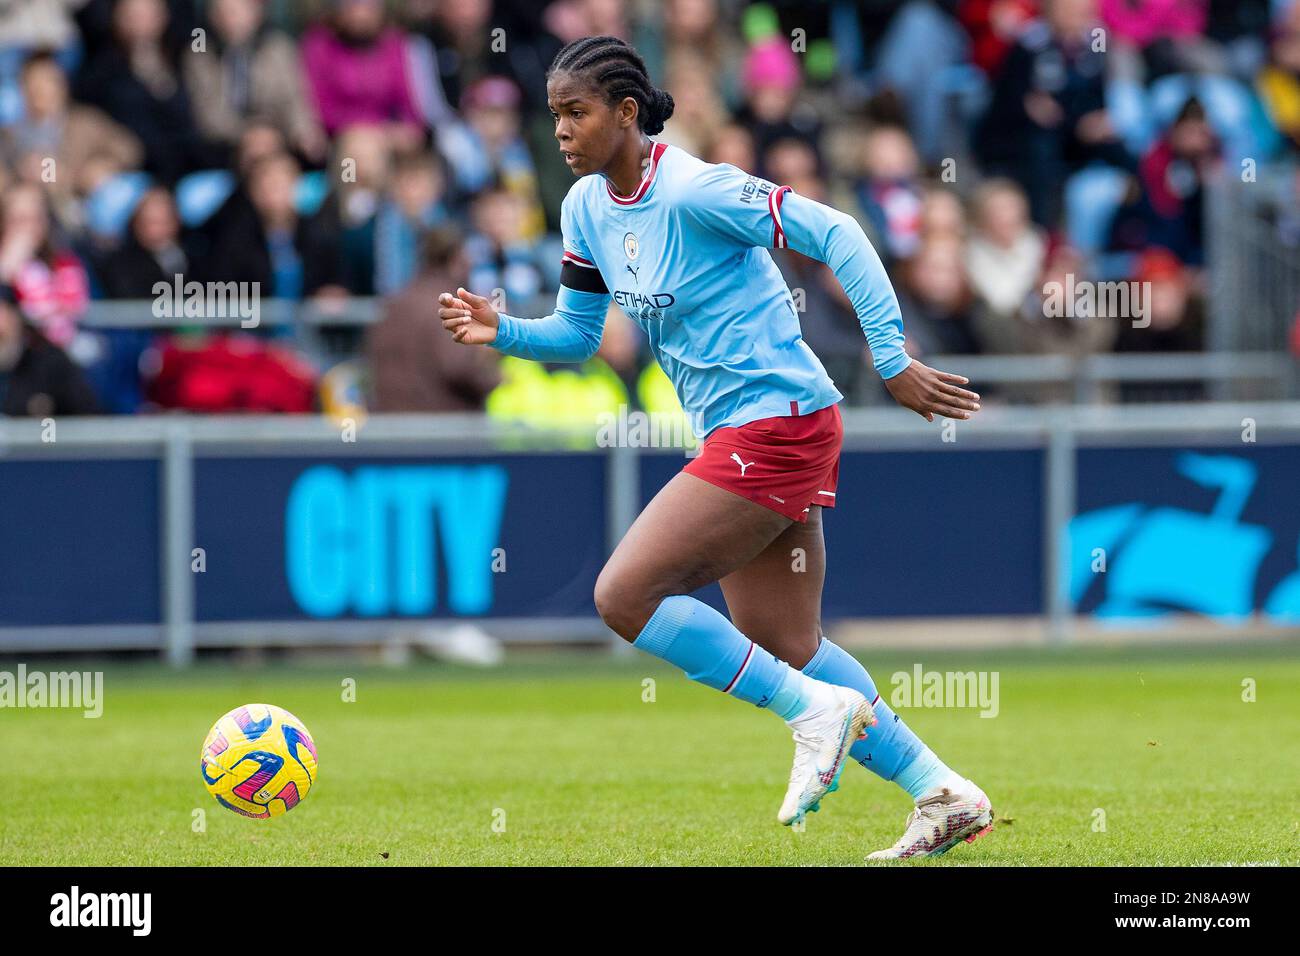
(681, 246)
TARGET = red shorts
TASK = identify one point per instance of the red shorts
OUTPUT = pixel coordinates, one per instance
(787, 463)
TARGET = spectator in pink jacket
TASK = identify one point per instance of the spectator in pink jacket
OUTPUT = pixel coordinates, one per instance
(357, 67)
(1152, 37)
(1142, 22)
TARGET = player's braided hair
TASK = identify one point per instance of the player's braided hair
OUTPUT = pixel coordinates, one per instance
(614, 68)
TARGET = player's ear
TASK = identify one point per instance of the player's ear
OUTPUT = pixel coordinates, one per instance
(626, 112)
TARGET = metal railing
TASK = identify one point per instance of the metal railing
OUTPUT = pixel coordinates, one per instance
(1226, 375)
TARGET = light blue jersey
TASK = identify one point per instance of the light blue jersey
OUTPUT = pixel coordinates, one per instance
(686, 258)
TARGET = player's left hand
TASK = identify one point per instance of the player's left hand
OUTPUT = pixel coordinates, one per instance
(929, 392)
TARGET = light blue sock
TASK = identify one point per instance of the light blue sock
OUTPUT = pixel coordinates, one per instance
(891, 750)
(707, 646)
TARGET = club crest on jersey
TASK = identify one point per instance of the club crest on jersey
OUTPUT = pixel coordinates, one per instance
(631, 247)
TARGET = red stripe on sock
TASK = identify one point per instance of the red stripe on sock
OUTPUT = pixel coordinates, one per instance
(748, 654)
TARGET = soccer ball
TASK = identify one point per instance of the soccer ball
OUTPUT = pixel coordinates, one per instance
(258, 760)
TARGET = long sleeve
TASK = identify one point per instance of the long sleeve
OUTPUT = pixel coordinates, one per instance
(835, 238)
(754, 212)
(573, 331)
(570, 334)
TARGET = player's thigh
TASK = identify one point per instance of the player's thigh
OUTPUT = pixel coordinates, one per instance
(776, 599)
(691, 534)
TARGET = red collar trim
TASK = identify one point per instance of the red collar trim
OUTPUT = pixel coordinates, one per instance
(656, 152)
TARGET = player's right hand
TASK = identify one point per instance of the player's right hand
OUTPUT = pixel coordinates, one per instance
(469, 318)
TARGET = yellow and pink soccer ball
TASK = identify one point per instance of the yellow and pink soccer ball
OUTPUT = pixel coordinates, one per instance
(259, 760)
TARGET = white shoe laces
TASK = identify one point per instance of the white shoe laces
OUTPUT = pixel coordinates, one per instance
(925, 808)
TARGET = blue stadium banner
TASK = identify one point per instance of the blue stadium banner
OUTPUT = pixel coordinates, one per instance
(1203, 531)
(79, 542)
(1159, 530)
(295, 538)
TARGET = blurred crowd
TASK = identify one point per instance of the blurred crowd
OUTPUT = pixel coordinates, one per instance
(337, 149)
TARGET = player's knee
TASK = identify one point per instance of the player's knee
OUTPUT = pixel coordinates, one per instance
(621, 604)
(610, 598)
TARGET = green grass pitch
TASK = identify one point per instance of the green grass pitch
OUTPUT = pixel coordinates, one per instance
(557, 759)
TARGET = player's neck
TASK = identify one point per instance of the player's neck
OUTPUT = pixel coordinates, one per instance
(626, 169)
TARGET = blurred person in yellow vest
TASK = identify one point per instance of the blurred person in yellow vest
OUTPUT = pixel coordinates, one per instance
(658, 399)
(565, 396)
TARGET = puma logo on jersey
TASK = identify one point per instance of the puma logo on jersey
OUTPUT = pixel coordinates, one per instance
(743, 464)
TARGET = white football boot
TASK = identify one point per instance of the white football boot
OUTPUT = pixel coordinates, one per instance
(941, 820)
(821, 747)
